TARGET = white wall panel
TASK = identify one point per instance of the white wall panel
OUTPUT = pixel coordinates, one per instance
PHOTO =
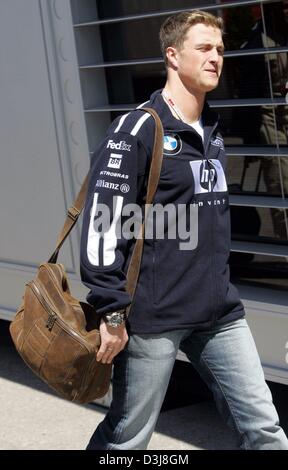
(43, 144)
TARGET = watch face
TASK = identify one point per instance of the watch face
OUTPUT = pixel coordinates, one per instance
(115, 319)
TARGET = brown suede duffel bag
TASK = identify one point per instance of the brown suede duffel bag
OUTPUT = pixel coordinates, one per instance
(56, 334)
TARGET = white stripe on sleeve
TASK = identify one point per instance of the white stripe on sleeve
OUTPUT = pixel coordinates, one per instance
(93, 236)
(121, 122)
(142, 104)
(110, 237)
(139, 123)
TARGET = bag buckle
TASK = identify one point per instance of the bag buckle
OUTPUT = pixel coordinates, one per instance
(73, 213)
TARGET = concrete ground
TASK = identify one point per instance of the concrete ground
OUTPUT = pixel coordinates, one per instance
(32, 417)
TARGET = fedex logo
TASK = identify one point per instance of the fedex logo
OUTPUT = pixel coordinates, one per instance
(118, 146)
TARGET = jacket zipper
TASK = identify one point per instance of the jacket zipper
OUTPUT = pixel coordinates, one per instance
(154, 272)
(214, 276)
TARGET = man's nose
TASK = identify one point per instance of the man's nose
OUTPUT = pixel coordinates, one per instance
(214, 56)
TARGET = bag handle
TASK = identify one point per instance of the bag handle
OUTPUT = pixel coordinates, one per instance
(75, 210)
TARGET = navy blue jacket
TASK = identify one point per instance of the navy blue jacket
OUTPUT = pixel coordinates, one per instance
(177, 288)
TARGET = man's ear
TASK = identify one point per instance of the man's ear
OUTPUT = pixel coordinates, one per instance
(172, 57)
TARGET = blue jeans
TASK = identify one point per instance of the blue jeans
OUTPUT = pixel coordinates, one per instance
(226, 358)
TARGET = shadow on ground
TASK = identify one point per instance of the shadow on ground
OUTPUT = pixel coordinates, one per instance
(185, 389)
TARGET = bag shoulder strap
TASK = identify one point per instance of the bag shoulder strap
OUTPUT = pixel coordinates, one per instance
(153, 180)
(72, 216)
(75, 210)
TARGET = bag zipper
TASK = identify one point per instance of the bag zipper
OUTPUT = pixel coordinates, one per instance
(53, 276)
(53, 316)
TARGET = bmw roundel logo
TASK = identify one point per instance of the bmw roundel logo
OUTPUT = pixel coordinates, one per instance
(172, 144)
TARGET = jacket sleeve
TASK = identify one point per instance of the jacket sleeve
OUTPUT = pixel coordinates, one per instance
(117, 171)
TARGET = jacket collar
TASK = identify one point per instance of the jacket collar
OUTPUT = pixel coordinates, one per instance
(171, 124)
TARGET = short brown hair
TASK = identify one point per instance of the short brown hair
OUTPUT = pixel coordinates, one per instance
(174, 29)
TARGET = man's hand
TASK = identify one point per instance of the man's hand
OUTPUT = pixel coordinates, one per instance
(113, 340)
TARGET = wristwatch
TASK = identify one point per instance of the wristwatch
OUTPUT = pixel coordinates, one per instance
(115, 319)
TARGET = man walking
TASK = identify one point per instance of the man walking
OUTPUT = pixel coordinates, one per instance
(184, 299)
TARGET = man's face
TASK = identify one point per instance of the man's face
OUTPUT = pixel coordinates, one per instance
(200, 60)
